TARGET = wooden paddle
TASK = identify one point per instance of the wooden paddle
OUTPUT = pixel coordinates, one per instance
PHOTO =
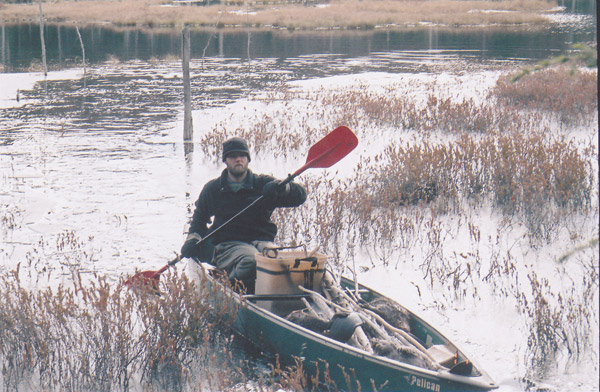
(325, 153)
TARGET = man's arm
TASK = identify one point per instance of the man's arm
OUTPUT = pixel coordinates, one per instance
(292, 196)
(277, 195)
(203, 212)
(199, 229)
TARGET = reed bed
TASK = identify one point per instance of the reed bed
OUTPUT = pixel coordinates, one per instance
(348, 14)
(98, 336)
(520, 107)
(422, 191)
(94, 333)
(499, 150)
(537, 181)
(567, 94)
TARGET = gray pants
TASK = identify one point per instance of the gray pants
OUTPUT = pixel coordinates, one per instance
(237, 258)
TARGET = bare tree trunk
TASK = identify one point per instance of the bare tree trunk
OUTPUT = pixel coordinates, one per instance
(248, 27)
(4, 59)
(60, 49)
(42, 40)
(188, 130)
(82, 48)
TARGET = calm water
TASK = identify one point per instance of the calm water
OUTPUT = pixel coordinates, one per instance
(20, 44)
(21, 47)
(139, 84)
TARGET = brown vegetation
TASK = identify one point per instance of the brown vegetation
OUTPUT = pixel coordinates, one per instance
(348, 14)
(499, 153)
(499, 150)
(98, 337)
(102, 336)
(567, 94)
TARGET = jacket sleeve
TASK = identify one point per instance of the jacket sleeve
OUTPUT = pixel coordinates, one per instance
(203, 213)
(295, 196)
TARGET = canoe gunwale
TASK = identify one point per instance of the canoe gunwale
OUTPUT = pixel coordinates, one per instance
(481, 382)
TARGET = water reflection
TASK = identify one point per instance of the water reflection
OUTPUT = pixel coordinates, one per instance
(585, 7)
(20, 44)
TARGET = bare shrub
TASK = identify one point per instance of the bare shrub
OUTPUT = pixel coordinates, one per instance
(394, 107)
(411, 174)
(385, 108)
(539, 179)
(262, 138)
(338, 218)
(324, 222)
(445, 114)
(360, 108)
(8, 218)
(556, 321)
(532, 176)
(99, 337)
(571, 96)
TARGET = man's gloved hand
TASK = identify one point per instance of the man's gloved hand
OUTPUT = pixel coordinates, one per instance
(272, 190)
(193, 239)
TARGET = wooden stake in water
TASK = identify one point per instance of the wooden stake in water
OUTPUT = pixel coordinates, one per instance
(188, 131)
(82, 48)
(42, 40)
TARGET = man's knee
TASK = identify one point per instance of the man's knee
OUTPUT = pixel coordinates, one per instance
(245, 269)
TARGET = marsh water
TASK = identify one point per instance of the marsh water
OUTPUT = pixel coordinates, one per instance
(101, 154)
(20, 44)
(233, 64)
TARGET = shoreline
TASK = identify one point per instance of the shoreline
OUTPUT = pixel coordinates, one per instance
(336, 15)
(282, 30)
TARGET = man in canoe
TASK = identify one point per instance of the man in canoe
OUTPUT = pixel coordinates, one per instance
(236, 243)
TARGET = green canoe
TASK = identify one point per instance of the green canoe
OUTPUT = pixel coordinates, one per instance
(261, 322)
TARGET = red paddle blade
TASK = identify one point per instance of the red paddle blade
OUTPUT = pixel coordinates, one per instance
(331, 149)
(145, 278)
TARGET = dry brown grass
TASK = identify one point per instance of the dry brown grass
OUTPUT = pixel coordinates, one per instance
(536, 179)
(102, 336)
(95, 336)
(349, 14)
(498, 151)
(569, 95)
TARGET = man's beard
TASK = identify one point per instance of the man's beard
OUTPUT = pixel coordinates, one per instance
(237, 171)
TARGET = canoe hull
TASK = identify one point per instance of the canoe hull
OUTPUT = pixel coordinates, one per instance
(348, 367)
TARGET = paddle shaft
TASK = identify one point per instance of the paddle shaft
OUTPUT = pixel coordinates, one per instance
(282, 184)
(311, 161)
(326, 152)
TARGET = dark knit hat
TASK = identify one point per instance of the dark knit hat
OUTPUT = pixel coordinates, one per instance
(235, 144)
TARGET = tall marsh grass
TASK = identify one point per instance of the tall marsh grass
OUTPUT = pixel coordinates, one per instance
(568, 95)
(510, 108)
(539, 180)
(98, 336)
(499, 150)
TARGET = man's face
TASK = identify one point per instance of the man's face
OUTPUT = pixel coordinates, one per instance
(237, 164)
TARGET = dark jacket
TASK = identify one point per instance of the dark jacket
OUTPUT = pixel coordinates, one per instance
(219, 201)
